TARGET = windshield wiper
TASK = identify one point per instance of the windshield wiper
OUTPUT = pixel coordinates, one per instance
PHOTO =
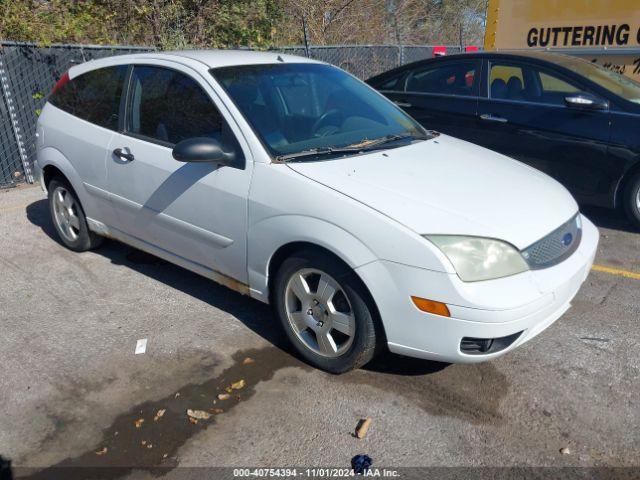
(372, 144)
(316, 152)
(363, 146)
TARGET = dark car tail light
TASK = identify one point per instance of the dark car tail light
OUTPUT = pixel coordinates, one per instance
(60, 83)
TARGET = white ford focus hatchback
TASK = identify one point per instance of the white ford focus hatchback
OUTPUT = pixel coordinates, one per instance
(291, 181)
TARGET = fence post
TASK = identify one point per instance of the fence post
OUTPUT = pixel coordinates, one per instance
(15, 126)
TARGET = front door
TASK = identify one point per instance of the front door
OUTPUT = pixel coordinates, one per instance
(524, 116)
(194, 211)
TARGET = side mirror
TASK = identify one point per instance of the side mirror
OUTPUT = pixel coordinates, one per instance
(203, 149)
(586, 101)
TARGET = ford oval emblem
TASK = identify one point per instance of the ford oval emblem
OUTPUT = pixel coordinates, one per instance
(567, 239)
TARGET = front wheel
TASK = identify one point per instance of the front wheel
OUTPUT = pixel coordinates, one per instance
(324, 311)
(632, 200)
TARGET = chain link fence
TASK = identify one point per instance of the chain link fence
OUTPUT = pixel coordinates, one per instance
(28, 72)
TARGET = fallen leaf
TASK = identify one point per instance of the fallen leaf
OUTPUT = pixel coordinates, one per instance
(149, 445)
(363, 427)
(565, 451)
(176, 395)
(216, 410)
(237, 385)
(159, 414)
(193, 420)
(165, 455)
(138, 423)
(198, 414)
(143, 442)
(102, 451)
(223, 396)
(248, 361)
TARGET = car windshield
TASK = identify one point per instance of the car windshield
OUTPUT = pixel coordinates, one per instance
(616, 83)
(306, 109)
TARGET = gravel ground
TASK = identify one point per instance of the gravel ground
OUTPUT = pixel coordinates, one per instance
(70, 385)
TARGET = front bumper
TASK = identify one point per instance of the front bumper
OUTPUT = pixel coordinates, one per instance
(528, 302)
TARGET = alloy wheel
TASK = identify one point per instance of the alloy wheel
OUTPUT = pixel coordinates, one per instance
(65, 212)
(319, 312)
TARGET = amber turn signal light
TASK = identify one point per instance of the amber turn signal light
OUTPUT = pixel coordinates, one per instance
(431, 306)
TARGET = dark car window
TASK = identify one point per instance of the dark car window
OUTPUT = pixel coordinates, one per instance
(450, 78)
(93, 96)
(391, 83)
(169, 106)
(528, 83)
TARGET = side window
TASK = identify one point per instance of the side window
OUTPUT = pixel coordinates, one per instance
(551, 84)
(93, 96)
(169, 106)
(528, 83)
(450, 78)
(506, 82)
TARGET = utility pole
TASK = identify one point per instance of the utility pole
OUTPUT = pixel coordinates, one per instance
(304, 32)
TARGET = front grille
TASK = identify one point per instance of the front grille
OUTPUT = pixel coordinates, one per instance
(556, 246)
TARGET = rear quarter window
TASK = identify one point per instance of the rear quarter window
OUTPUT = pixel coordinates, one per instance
(93, 96)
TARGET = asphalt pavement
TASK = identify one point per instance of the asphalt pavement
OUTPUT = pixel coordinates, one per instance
(72, 392)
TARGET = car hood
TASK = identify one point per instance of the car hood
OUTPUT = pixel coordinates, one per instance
(449, 186)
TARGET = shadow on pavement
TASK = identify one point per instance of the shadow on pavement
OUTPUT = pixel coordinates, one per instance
(252, 313)
(5, 469)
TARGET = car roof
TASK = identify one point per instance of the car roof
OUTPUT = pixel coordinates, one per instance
(555, 58)
(227, 58)
(208, 58)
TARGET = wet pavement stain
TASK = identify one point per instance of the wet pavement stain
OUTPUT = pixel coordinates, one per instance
(471, 392)
(152, 445)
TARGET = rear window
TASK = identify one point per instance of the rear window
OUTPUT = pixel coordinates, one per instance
(93, 96)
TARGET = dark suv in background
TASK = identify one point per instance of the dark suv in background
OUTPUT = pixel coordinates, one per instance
(574, 120)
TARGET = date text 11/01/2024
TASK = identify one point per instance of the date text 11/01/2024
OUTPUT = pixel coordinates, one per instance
(313, 473)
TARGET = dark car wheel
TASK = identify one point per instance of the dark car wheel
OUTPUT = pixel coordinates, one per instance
(68, 217)
(632, 200)
(324, 311)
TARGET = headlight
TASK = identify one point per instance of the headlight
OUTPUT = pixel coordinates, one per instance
(476, 258)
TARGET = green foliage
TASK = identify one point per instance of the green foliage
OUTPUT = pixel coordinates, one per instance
(166, 24)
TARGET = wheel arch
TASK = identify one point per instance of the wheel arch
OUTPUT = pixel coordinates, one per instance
(52, 163)
(624, 181)
(273, 237)
(287, 250)
(49, 172)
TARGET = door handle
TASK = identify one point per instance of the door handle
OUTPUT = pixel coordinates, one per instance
(492, 118)
(402, 104)
(118, 152)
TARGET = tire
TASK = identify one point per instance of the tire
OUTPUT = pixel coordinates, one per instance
(317, 324)
(631, 200)
(68, 217)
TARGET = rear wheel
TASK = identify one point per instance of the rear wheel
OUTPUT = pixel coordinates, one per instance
(68, 217)
(324, 311)
(632, 200)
